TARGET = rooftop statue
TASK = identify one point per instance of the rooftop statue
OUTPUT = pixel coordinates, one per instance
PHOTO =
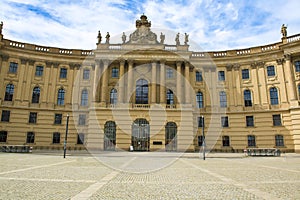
(107, 38)
(124, 37)
(162, 38)
(177, 39)
(99, 38)
(1, 27)
(143, 34)
(186, 38)
(284, 30)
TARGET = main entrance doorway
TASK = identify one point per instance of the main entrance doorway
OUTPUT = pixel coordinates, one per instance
(140, 138)
(109, 136)
(171, 136)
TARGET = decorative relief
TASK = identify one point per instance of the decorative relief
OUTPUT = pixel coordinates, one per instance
(257, 64)
(287, 56)
(279, 61)
(4, 57)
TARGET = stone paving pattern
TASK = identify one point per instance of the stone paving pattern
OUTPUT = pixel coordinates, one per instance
(83, 176)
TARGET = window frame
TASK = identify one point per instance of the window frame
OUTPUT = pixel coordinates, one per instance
(245, 74)
(36, 93)
(63, 73)
(251, 140)
(9, 92)
(247, 98)
(113, 96)
(84, 99)
(30, 137)
(199, 77)
(223, 99)
(58, 118)
(56, 138)
(13, 67)
(277, 120)
(221, 76)
(5, 116)
(274, 98)
(250, 121)
(32, 118)
(82, 119)
(80, 138)
(271, 71)
(297, 66)
(279, 140)
(224, 122)
(3, 136)
(39, 70)
(86, 74)
(169, 73)
(61, 97)
(115, 72)
(226, 141)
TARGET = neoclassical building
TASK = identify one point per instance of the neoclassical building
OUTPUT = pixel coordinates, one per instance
(145, 95)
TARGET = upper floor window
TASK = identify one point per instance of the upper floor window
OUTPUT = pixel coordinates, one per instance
(245, 74)
(274, 96)
(199, 77)
(32, 117)
(82, 119)
(169, 73)
(86, 74)
(199, 100)
(247, 98)
(141, 96)
(297, 66)
(271, 71)
(5, 116)
(115, 72)
(249, 121)
(57, 118)
(221, 75)
(61, 97)
(113, 96)
(170, 97)
(3, 136)
(30, 137)
(84, 98)
(13, 67)
(39, 70)
(224, 121)
(223, 99)
(9, 92)
(36, 95)
(276, 120)
(63, 73)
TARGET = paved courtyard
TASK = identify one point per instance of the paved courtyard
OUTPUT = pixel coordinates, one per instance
(144, 175)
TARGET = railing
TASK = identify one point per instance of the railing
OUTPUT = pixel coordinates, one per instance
(269, 47)
(170, 48)
(39, 48)
(17, 44)
(115, 47)
(293, 38)
(200, 54)
(141, 106)
(243, 52)
(171, 106)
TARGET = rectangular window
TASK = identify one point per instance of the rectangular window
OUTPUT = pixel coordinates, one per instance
(56, 138)
(226, 141)
(13, 67)
(80, 138)
(57, 118)
(63, 73)
(199, 77)
(276, 120)
(224, 121)
(279, 142)
(221, 75)
(297, 66)
(169, 73)
(32, 117)
(39, 71)
(200, 140)
(81, 120)
(86, 74)
(115, 72)
(3, 136)
(251, 141)
(200, 121)
(5, 116)
(30, 137)
(271, 71)
(249, 121)
(245, 74)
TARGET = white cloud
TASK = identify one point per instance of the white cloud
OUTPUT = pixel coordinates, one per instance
(212, 25)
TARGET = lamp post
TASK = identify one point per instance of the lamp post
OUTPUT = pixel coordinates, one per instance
(66, 136)
(203, 137)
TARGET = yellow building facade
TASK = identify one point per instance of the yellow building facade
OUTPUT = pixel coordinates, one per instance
(145, 95)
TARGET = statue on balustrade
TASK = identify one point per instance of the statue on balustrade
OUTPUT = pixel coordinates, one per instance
(1, 27)
(107, 38)
(99, 38)
(124, 37)
(162, 38)
(177, 39)
(284, 30)
(186, 38)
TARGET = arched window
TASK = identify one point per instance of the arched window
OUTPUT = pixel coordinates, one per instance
(247, 98)
(113, 96)
(36, 95)
(109, 135)
(170, 97)
(223, 99)
(61, 97)
(141, 96)
(274, 96)
(84, 97)
(9, 92)
(199, 100)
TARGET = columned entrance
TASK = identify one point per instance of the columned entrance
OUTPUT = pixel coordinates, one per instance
(171, 136)
(140, 138)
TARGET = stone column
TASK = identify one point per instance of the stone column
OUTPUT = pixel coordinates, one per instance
(104, 87)
(27, 91)
(262, 83)
(153, 84)
(281, 77)
(22, 76)
(256, 92)
(178, 82)
(3, 72)
(237, 77)
(130, 80)
(187, 83)
(162, 82)
(121, 82)
(231, 102)
(289, 78)
(96, 82)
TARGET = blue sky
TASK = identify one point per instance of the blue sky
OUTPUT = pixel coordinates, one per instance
(212, 25)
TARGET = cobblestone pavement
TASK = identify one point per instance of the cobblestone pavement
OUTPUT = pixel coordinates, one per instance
(143, 176)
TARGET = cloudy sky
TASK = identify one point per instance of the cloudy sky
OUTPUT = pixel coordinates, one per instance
(212, 25)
